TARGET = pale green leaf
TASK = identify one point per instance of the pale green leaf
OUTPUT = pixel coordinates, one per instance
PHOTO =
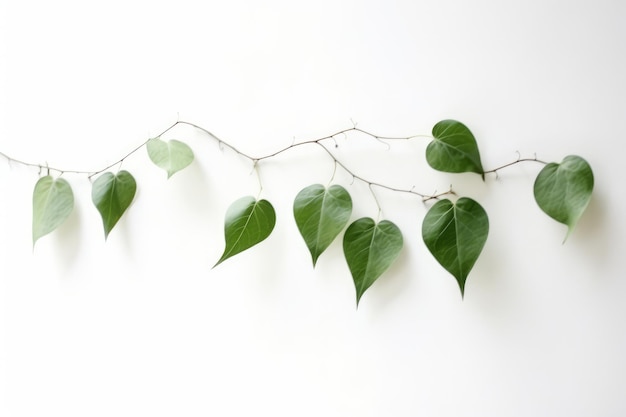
(53, 202)
(171, 156)
(112, 195)
(370, 248)
(321, 214)
(563, 190)
(455, 234)
(454, 149)
(247, 223)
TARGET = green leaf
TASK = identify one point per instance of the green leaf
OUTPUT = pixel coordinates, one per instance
(563, 190)
(112, 195)
(53, 202)
(247, 223)
(454, 149)
(455, 234)
(321, 214)
(171, 156)
(370, 248)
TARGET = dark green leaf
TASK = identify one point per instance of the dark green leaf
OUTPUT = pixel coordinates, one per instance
(455, 234)
(53, 202)
(453, 149)
(370, 249)
(247, 223)
(563, 190)
(171, 156)
(321, 214)
(112, 195)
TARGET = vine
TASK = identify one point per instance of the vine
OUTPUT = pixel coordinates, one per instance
(454, 232)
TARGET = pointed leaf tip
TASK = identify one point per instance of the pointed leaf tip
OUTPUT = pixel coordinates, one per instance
(370, 248)
(454, 149)
(247, 223)
(112, 195)
(53, 201)
(563, 190)
(455, 233)
(321, 214)
(171, 156)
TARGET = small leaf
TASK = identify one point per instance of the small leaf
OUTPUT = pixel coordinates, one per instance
(171, 156)
(370, 249)
(454, 149)
(247, 223)
(53, 202)
(455, 234)
(321, 214)
(112, 195)
(563, 190)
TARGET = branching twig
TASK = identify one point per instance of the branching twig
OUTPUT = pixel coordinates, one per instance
(255, 160)
(517, 161)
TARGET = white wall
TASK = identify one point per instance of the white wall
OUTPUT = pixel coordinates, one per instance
(141, 324)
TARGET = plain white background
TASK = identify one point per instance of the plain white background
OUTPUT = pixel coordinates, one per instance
(142, 325)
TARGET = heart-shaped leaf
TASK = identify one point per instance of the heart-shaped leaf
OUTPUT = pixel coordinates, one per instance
(370, 248)
(321, 214)
(454, 149)
(171, 156)
(112, 195)
(53, 202)
(455, 234)
(563, 190)
(247, 223)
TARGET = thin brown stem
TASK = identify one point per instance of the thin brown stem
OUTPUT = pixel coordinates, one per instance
(517, 161)
(424, 197)
(255, 160)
